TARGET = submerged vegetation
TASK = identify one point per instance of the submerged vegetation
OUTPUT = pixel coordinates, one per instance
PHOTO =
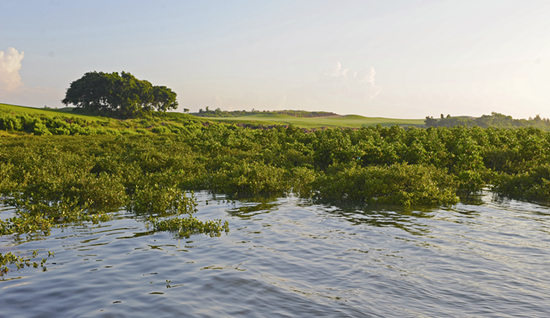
(52, 180)
(73, 177)
(21, 262)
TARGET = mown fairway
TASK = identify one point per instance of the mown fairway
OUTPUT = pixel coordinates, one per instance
(348, 121)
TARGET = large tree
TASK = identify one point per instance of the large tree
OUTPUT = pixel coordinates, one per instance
(119, 95)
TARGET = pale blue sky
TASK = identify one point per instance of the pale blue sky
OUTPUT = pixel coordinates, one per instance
(404, 59)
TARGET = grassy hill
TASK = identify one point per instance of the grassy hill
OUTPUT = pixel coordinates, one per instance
(44, 121)
(350, 121)
(63, 121)
(16, 109)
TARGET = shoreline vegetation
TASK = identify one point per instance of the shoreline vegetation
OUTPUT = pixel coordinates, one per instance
(59, 168)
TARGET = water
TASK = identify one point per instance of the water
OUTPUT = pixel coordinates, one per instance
(290, 258)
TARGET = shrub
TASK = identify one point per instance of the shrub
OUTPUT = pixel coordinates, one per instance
(533, 185)
(399, 184)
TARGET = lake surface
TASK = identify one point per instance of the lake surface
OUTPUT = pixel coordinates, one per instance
(291, 258)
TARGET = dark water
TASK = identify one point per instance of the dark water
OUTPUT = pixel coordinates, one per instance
(289, 258)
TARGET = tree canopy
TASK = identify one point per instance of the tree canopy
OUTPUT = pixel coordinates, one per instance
(493, 120)
(118, 95)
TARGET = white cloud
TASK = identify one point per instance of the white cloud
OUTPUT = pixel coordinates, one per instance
(339, 71)
(370, 78)
(10, 64)
(359, 82)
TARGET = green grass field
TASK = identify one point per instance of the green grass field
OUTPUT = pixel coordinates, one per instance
(351, 121)
(19, 110)
(346, 121)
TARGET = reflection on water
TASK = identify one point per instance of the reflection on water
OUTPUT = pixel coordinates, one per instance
(250, 210)
(409, 221)
(290, 257)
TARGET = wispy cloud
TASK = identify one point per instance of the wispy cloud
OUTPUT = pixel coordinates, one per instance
(370, 79)
(360, 81)
(339, 71)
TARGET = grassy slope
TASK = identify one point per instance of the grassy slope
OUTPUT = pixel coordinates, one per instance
(96, 121)
(61, 113)
(16, 110)
(353, 121)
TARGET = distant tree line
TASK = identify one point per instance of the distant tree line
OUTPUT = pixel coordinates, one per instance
(118, 95)
(493, 120)
(238, 113)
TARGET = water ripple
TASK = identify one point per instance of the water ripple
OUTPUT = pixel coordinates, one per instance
(292, 258)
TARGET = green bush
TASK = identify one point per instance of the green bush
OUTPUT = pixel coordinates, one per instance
(245, 179)
(533, 185)
(397, 184)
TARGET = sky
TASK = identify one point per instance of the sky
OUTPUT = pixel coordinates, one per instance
(400, 59)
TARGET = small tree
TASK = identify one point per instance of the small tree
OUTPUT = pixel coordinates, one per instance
(118, 95)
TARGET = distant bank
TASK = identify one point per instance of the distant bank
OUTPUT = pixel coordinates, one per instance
(21, 118)
(300, 119)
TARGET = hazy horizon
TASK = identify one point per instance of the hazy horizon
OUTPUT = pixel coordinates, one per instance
(399, 59)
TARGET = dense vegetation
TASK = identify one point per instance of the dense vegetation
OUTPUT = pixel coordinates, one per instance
(118, 95)
(407, 167)
(54, 180)
(493, 120)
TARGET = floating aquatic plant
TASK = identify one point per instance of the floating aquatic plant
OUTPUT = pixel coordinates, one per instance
(20, 262)
(187, 226)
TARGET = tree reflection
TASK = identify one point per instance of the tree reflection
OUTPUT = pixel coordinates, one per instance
(383, 216)
(254, 209)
